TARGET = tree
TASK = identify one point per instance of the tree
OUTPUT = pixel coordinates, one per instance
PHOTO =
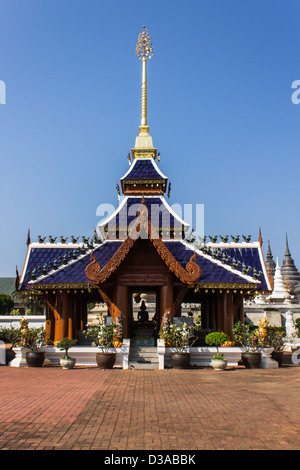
(6, 304)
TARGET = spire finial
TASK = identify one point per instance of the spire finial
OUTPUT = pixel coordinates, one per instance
(287, 251)
(260, 240)
(28, 241)
(144, 49)
(143, 144)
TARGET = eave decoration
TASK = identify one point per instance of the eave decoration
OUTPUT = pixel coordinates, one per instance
(143, 228)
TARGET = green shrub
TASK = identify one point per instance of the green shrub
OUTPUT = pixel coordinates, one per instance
(65, 344)
(6, 304)
(216, 338)
(11, 335)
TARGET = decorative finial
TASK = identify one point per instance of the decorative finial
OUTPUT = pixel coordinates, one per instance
(143, 144)
(260, 240)
(144, 49)
(28, 241)
(287, 251)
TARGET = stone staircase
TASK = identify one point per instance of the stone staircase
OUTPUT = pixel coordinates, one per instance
(143, 357)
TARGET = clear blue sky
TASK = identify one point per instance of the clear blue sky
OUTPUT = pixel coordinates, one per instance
(219, 110)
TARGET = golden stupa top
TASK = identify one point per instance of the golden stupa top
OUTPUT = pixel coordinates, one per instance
(144, 48)
(143, 143)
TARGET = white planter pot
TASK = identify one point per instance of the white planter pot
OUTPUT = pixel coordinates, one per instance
(219, 364)
(68, 363)
(266, 360)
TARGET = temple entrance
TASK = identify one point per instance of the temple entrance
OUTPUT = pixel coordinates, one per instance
(143, 316)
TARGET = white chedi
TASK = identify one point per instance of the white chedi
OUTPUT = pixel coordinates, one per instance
(279, 292)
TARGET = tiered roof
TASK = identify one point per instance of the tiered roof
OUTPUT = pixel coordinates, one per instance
(144, 176)
(165, 220)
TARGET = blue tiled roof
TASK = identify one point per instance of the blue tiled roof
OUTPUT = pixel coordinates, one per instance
(159, 214)
(71, 273)
(211, 272)
(250, 257)
(143, 169)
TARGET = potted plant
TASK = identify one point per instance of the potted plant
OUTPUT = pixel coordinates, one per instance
(33, 339)
(249, 341)
(177, 337)
(217, 338)
(11, 337)
(66, 361)
(276, 339)
(103, 337)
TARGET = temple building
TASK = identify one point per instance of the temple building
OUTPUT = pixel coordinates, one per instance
(285, 296)
(143, 249)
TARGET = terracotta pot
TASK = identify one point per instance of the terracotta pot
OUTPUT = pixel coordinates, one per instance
(251, 360)
(180, 360)
(278, 356)
(35, 359)
(106, 360)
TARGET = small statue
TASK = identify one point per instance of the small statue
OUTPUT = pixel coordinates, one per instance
(119, 327)
(166, 320)
(143, 315)
(291, 330)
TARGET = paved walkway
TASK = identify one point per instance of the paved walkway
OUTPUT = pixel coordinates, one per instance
(86, 408)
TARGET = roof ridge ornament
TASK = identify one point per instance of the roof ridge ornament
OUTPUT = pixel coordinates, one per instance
(143, 144)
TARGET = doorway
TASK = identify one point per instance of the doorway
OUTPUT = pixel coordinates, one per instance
(144, 318)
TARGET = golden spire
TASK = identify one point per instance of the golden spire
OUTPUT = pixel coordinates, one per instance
(144, 49)
(143, 144)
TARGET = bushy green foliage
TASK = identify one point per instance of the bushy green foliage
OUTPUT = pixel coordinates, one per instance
(6, 304)
(32, 338)
(65, 344)
(176, 336)
(10, 335)
(216, 338)
(218, 356)
(276, 340)
(103, 335)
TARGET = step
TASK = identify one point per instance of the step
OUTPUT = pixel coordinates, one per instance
(143, 365)
(146, 342)
(143, 354)
(143, 349)
(143, 358)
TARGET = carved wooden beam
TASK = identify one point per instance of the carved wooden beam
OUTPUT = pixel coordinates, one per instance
(97, 275)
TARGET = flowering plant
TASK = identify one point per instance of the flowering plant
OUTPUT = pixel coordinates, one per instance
(247, 339)
(276, 339)
(32, 338)
(103, 335)
(228, 344)
(176, 336)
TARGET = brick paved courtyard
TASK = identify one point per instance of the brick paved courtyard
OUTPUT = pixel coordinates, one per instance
(86, 408)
